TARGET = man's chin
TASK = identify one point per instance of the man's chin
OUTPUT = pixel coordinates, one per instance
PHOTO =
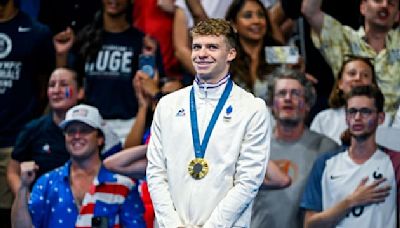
(288, 122)
(204, 76)
(361, 137)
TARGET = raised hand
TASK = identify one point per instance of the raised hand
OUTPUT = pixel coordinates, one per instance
(63, 41)
(28, 173)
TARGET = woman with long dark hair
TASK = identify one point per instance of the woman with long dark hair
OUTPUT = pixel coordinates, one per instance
(249, 70)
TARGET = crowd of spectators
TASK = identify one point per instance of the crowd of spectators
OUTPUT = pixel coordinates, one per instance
(55, 55)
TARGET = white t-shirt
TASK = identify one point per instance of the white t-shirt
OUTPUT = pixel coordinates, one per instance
(335, 176)
(332, 122)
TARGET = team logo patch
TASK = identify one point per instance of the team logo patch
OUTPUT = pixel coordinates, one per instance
(80, 112)
(5, 45)
(181, 112)
(228, 113)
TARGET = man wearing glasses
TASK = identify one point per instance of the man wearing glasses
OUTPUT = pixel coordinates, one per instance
(293, 147)
(82, 193)
(355, 186)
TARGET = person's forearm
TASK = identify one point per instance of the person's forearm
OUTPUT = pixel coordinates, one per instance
(197, 10)
(328, 218)
(277, 17)
(135, 136)
(13, 175)
(312, 11)
(275, 178)
(61, 59)
(181, 40)
(20, 216)
(184, 56)
(128, 161)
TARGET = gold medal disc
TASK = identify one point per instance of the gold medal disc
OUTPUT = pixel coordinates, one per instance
(198, 168)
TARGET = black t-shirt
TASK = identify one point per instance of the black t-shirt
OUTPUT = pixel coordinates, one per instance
(108, 79)
(26, 53)
(42, 141)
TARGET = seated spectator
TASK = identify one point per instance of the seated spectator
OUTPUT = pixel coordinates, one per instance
(331, 122)
(82, 193)
(41, 140)
(250, 70)
(355, 186)
(293, 148)
(107, 54)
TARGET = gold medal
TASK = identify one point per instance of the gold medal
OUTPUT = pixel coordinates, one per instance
(198, 168)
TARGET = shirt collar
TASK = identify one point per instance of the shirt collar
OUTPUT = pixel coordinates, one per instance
(104, 174)
(210, 90)
(362, 34)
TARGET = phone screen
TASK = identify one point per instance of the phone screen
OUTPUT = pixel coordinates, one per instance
(147, 64)
(99, 222)
(282, 54)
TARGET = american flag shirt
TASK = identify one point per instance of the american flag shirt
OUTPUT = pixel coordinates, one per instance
(111, 196)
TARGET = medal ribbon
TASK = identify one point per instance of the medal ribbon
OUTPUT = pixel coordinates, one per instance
(200, 149)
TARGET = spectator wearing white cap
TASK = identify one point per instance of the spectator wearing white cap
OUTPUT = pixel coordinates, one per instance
(42, 141)
(99, 197)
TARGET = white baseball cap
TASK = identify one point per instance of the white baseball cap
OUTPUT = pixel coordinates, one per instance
(83, 113)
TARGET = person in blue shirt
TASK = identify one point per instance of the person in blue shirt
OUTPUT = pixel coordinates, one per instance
(82, 193)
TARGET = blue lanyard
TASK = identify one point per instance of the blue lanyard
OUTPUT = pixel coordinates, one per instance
(200, 149)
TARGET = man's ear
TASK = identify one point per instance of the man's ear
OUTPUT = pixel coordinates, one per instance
(100, 140)
(362, 7)
(381, 117)
(232, 54)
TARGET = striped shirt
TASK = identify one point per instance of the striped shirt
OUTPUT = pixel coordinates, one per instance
(112, 197)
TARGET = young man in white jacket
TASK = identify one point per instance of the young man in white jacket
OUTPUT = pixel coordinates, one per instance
(209, 142)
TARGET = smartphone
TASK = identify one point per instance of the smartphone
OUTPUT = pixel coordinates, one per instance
(282, 54)
(100, 222)
(147, 64)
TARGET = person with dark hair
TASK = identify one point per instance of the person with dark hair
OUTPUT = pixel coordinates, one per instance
(293, 148)
(212, 182)
(26, 61)
(376, 39)
(107, 54)
(356, 186)
(250, 70)
(355, 71)
(81, 193)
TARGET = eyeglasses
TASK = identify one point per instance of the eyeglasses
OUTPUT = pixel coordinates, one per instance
(364, 112)
(295, 93)
(83, 130)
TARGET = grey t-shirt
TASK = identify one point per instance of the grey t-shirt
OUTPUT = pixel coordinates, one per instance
(280, 208)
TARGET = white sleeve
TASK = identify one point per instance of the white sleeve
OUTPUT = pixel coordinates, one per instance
(396, 121)
(157, 178)
(250, 170)
(316, 124)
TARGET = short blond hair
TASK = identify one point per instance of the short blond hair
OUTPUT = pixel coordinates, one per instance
(215, 27)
